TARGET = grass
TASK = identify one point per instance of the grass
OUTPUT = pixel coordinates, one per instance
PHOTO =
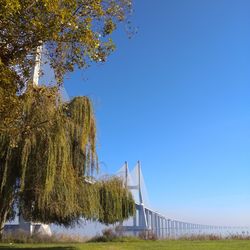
(140, 245)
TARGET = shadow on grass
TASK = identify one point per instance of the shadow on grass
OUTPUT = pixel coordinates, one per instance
(38, 248)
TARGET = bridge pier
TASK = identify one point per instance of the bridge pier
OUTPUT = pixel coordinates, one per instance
(162, 227)
(169, 227)
(158, 225)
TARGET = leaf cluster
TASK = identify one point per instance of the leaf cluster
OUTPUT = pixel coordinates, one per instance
(75, 32)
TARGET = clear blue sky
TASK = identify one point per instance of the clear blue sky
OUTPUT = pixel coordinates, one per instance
(177, 97)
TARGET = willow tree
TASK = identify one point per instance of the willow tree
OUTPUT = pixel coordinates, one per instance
(43, 168)
(47, 147)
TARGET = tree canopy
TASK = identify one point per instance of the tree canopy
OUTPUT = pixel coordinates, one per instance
(75, 32)
(47, 146)
(44, 167)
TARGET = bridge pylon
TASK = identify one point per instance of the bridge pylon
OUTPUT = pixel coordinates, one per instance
(144, 218)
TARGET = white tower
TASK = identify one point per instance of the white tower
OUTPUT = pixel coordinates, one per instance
(28, 226)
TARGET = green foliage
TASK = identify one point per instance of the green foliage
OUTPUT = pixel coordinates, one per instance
(48, 161)
(116, 202)
(74, 31)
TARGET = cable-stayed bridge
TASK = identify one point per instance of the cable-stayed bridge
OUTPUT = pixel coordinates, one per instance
(147, 219)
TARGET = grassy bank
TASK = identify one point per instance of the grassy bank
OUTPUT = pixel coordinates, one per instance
(140, 245)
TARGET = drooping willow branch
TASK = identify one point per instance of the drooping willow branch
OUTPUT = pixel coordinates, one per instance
(50, 163)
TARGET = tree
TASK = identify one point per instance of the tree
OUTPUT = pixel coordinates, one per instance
(75, 33)
(47, 147)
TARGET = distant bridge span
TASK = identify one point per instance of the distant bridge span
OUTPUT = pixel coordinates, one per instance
(148, 220)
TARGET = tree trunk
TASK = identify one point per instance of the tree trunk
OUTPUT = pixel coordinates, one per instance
(3, 217)
(1, 230)
(6, 200)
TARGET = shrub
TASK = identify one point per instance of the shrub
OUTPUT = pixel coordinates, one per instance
(147, 235)
(23, 237)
